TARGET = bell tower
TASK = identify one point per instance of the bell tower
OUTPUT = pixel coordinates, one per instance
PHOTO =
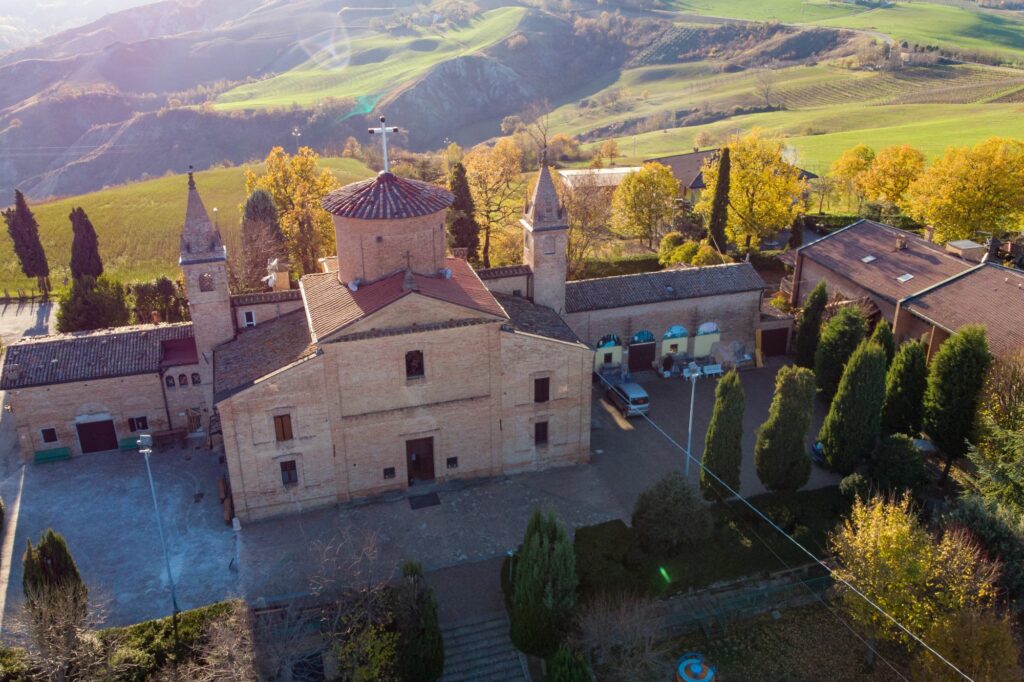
(545, 237)
(203, 260)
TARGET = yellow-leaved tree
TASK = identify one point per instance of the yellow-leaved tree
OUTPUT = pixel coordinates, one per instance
(971, 188)
(849, 170)
(298, 184)
(885, 551)
(765, 191)
(644, 203)
(891, 173)
(496, 186)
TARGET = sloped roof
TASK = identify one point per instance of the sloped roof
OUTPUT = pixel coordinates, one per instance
(596, 177)
(544, 210)
(331, 305)
(987, 294)
(387, 197)
(200, 240)
(655, 287)
(487, 274)
(686, 167)
(526, 316)
(124, 351)
(843, 252)
(177, 352)
(266, 297)
(259, 351)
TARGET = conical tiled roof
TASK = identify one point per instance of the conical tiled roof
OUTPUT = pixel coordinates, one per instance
(544, 211)
(200, 239)
(387, 197)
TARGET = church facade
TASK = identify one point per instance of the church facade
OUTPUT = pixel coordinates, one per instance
(395, 368)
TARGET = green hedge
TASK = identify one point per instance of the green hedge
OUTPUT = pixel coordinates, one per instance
(764, 261)
(830, 222)
(621, 265)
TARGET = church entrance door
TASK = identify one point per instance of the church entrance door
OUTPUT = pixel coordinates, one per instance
(419, 459)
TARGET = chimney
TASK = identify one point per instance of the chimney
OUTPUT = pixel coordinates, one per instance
(460, 252)
(929, 232)
(154, 317)
(901, 243)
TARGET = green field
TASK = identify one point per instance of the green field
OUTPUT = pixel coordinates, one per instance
(139, 224)
(375, 64)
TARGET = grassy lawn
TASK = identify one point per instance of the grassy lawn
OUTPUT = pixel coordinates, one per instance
(609, 558)
(374, 64)
(805, 643)
(789, 11)
(139, 223)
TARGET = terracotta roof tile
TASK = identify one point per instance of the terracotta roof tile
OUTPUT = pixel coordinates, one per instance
(259, 351)
(331, 305)
(387, 197)
(655, 287)
(266, 297)
(487, 274)
(84, 356)
(987, 294)
(531, 318)
(843, 252)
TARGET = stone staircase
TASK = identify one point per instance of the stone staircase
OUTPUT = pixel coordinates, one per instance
(479, 650)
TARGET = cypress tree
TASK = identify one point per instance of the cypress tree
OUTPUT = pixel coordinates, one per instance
(24, 232)
(723, 444)
(809, 328)
(567, 666)
(883, 337)
(780, 453)
(420, 645)
(543, 587)
(463, 230)
(852, 427)
(953, 392)
(85, 246)
(720, 204)
(839, 338)
(905, 383)
(49, 565)
(260, 209)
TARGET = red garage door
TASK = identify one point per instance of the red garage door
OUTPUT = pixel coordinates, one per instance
(641, 355)
(773, 341)
(97, 436)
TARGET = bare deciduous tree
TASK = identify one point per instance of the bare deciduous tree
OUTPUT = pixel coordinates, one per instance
(620, 634)
(764, 85)
(59, 624)
(588, 208)
(227, 653)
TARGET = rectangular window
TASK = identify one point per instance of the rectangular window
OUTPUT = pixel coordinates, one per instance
(389, 472)
(453, 463)
(283, 427)
(289, 472)
(250, 318)
(541, 389)
(49, 435)
(138, 423)
(517, 292)
(414, 364)
(607, 358)
(540, 433)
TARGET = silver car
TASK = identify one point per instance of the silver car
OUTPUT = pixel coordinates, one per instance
(629, 399)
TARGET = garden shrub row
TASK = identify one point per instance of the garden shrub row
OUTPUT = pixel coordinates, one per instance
(619, 265)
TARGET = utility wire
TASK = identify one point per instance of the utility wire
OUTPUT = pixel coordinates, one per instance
(803, 549)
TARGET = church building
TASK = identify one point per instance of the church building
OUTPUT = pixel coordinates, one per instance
(396, 367)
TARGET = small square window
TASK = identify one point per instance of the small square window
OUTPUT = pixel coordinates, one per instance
(196, 379)
(389, 472)
(250, 318)
(540, 433)
(517, 292)
(49, 435)
(607, 358)
(289, 472)
(541, 389)
(283, 427)
(414, 364)
(138, 423)
(453, 463)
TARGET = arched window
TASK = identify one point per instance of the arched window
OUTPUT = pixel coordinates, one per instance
(196, 379)
(182, 380)
(206, 282)
(169, 381)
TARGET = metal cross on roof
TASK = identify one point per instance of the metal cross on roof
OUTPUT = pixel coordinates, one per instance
(383, 131)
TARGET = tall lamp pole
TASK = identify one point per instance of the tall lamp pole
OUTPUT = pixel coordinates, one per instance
(296, 133)
(146, 448)
(693, 372)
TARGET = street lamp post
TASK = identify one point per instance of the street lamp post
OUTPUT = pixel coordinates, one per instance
(693, 372)
(146, 448)
(296, 133)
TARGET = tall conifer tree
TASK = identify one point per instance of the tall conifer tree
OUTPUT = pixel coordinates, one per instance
(723, 445)
(85, 246)
(853, 424)
(24, 231)
(904, 390)
(720, 205)
(780, 453)
(808, 330)
(463, 230)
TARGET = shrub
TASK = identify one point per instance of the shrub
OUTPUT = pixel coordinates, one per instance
(723, 444)
(14, 665)
(780, 453)
(684, 253)
(602, 553)
(899, 465)
(852, 426)
(809, 328)
(982, 644)
(706, 255)
(904, 390)
(567, 666)
(854, 486)
(669, 516)
(839, 338)
(669, 243)
(132, 665)
(883, 337)
(419, 648)
(1001, 533)
(622, 265)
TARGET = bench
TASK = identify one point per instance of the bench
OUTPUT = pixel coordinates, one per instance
(52, 455)
(128, 444)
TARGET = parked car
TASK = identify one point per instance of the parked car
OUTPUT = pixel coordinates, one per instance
(629, 399)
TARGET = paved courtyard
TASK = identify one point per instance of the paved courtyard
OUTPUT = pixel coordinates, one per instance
(101, 504)
(28, 318)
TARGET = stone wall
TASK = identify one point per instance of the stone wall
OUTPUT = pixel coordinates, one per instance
(510, 285)
(181, 398)
(265, 312)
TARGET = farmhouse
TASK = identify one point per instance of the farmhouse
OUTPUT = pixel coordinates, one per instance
(395, 367)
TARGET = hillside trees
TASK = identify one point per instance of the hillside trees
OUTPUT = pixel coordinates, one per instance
(808, 329)
(719, 217)
(297, 185)
(951, 399)
(493, 176)
(463, 230)
(262, 241)
(85, 246)
(851, 428)
(849, 170)
(609, 149)
(588, 213)
(891, 173)
(723, 444)
(764, 189)
(839, 337)
(905, 382)
(780, 453)
(24, 232)
(968, 188)
(91, 303)
(644, 203)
